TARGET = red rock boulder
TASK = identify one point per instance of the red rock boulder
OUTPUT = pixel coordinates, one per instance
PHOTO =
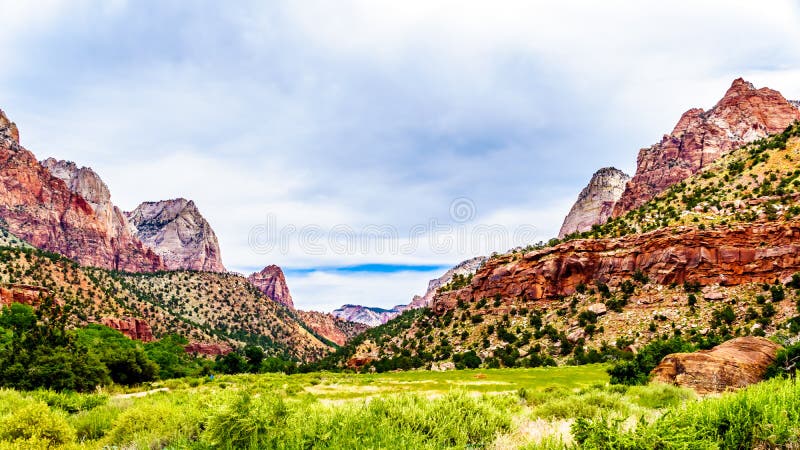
(730, 365)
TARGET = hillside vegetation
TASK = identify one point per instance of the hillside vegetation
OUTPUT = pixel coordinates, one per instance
(201, 306)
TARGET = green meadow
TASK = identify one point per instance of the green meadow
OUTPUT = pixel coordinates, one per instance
(557, 407)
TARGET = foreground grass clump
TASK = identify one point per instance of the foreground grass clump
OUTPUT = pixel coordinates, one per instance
(456, 420)
(765, 415)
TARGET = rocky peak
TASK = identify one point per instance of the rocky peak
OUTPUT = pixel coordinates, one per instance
(743, 115)
(8, 129)
(467, 267)
(795, 103)
(596, 201)
(176, 231)
(50, 212)
(272, 283)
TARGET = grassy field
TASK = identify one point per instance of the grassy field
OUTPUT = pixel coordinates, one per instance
(548, 408)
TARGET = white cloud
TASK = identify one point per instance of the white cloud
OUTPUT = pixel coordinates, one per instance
(365, 113)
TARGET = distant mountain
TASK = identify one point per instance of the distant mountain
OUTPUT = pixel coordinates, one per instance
(334, 329)
(178, 233)
(368, 315)
(376, 316)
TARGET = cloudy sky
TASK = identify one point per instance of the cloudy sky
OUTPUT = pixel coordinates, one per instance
(365, 146)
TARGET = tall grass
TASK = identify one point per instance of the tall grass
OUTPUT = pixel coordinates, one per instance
(765, 415)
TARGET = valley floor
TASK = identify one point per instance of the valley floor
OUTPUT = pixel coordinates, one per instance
(563, 407)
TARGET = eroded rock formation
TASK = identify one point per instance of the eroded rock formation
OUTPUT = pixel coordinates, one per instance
(207, 348)
(22, 293)
(730, 365)
(41, 209)
(596, 201)
(743, 115)
(272, 283)
(178, 233)
(758, 252)
(130, 326)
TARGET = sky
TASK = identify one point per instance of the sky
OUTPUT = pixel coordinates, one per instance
(367, 146)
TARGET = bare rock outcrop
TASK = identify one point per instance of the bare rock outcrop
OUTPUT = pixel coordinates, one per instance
(730, 365)
(22, 293)
(130, 326)
(596, 201)
(464, 268)
(41, 209)
(207, 348)
(178, 233)
(743, 115)
(738, 254)
(272, 283)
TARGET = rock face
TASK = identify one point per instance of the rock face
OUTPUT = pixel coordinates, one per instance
(271, 282)
(758, 252)
(207, 349)
(730, 365)
(332, 328)
(467, 267)
(132, 327)
(743, 115)
(41, 209)
(21, 293)
(596, 201)
(368, 315)
(178, 233)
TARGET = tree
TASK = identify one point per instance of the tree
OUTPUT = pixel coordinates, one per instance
(254, 355)
(38, 352)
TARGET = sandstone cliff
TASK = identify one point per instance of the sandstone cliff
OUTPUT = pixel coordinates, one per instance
(596, 201)
(41, 209)
(730, 365)
(178, 233)
(272, 283)
(130, 326)
(743, 115)
(744, 253)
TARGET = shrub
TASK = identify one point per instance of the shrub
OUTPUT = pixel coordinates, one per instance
(36, 421)
(247, 423)
(637, 370)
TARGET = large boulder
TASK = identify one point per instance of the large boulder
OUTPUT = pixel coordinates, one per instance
(730, 365)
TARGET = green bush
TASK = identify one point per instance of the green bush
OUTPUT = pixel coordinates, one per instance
(637, 370)
(247, 423)
(36, 422)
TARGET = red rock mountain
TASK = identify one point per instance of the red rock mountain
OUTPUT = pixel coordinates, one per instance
(743, 115)
(271, 282)
(749, 253)
(178, 233)
(596, 201)
(40, 208)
